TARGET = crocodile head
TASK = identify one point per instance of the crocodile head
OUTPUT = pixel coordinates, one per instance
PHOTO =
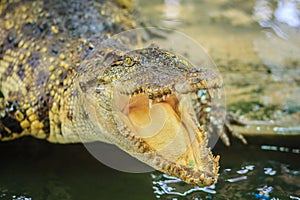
(147, 104)
(154, 95)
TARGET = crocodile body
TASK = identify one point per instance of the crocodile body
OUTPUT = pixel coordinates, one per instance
(61, 84)
(41, 46)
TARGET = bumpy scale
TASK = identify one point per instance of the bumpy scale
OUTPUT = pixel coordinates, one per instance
(62, 83)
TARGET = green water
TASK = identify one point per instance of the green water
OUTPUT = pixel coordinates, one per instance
(260, 67)
(34, 169)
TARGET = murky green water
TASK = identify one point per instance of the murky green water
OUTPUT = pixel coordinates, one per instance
(258, 56)
(34, 169)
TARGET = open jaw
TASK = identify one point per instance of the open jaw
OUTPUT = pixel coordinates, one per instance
(166, 135)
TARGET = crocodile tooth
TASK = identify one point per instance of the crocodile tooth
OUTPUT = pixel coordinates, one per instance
(164, 97)
(211, 93)
(202, 177)
(150, 103)
(219, 93)
(209, 181)
(217, 158)
(195, 96)
(204, 84)
(195, 181)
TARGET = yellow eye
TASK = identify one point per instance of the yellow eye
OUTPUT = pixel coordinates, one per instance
(128, 62)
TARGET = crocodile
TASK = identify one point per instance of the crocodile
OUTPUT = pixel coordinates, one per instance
(61, 82)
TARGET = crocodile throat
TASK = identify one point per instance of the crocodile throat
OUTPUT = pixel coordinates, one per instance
(170, 128)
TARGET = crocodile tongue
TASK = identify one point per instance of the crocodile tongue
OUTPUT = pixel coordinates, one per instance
(171, 129)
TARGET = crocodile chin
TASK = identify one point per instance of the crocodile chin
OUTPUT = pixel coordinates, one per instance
(168, 126)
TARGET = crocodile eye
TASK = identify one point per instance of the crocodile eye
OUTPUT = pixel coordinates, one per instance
(128, 62)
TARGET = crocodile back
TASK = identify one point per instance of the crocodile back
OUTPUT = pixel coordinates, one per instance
(41, 46)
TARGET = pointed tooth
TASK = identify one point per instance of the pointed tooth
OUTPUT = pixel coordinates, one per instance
(208, 181)
(150, 103)
(195, 96)
(219, 93)
(204, 83)
(164, 97)
(211, 93)
(202, 177)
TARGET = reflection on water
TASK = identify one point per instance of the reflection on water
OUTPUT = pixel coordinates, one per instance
(259, 177)
(286, 12)
(33, 169)
(162, 185)
(36, 169)
(172, 10)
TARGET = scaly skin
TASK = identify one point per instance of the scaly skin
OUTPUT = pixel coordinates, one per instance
(60, 83)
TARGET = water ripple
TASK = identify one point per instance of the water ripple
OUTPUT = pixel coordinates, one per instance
(270, 180)
(164, 184)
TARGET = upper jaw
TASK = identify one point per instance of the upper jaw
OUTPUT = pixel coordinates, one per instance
(191, 81)
(200, 79)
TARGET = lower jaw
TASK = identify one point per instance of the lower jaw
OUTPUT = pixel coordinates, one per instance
(170, 142)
